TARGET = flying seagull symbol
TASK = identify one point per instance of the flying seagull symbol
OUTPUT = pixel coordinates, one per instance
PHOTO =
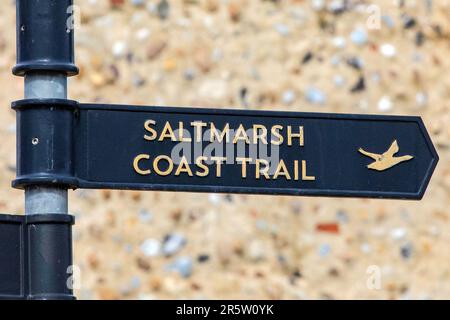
(386, 160)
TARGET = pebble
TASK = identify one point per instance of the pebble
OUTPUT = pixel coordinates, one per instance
(143, 264)
(116, 3)
(138, 81)
(142, 34)
(119, 49)
(256, 251)
(204, 60)
(335, 60)
(339, 42)
(189, 74)
(408, 22)
(135, 282)
(388, 21)
(366, 248)
(202, 258)
(315, 96)
(150, 247)
(324, 250)
(163, 9)
(155, 48)
(339, 81)
(214, 198)
(406, 250)
(212, 5)
(359, 86)
(145, 216)
(307, 57)
(318, 4)
(385, 104)
(243, 92)
(375, 77)
(388, 50)
(282, 29)
(183, 265)
(138, 3)
(170, 64)
(288, 97)
(235, 11)
(330, 227)
(398, 233)
(420, 38)
(421, 99)
(359, 36)
(173, 243)
(97, 79)
(342, 216)
(337, 6)
(355, 63)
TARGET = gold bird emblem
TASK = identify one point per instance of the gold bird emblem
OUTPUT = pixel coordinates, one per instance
(386, 160)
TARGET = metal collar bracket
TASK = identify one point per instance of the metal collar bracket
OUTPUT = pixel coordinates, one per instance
(45, 144)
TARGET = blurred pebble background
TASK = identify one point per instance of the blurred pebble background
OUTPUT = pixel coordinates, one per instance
(378, 57)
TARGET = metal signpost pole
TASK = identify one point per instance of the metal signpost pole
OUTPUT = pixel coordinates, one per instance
(45, 58)
(41, 199)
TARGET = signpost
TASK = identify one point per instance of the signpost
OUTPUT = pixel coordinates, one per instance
(211, 150)
(63, 144)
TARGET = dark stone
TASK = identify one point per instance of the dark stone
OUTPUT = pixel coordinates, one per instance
(307, 57)
(359, 86)
(355, 63)
(203, 258)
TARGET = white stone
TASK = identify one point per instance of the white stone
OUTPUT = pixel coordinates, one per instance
(385, 104)
(142, 34)
(119, 49)
(151, 247)
(398, 233)
(339, 42)
(388, 50)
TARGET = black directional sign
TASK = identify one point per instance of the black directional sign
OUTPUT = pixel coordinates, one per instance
(238, 151)
(253, 152)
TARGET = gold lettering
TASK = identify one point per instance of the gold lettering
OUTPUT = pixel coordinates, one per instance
(156, 167)
(136, 167)
(219, 137)
(296, 170)
(281, 171)
(299, 135)
(199, 162)
(167, 133)
(264, 171)
(244, 165)
(181, 137)
(256, 135)
(218, 161)
(150, 129)
(276, 132)
(305, 177)
(198, 130)
(183, 167)
(241, 135)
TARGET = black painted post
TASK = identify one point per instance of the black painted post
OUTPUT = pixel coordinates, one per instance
(45, 58)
